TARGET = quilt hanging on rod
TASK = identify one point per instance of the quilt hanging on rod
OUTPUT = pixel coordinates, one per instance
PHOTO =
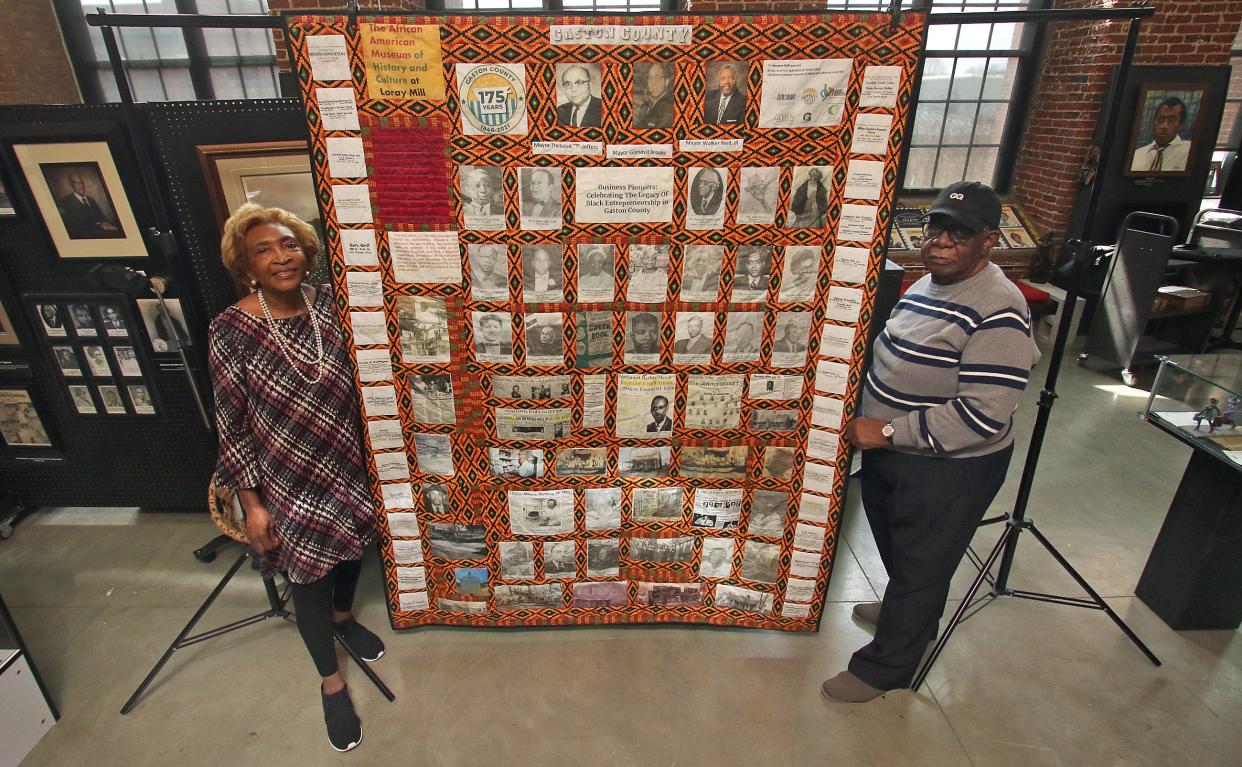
(607, 281)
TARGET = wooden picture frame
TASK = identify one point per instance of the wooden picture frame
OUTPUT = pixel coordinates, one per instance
(77, 189)
(275, 174)
(1152, 155)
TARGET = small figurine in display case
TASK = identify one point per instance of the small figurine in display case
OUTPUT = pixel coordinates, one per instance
(1209, 413)
(1227, 418)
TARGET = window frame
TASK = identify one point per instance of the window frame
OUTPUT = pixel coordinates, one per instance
(198, 62)
(1028, 55)
(556, 6)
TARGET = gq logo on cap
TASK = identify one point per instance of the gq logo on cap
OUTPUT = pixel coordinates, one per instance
(957, 196)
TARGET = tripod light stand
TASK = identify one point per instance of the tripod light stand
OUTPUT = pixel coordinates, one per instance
(1016, 522)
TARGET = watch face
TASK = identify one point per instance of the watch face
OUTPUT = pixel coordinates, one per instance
(888, 430)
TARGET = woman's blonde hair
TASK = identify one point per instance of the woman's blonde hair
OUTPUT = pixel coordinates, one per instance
(247, 217)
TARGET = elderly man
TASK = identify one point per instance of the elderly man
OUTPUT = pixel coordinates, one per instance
(725, 104)
(478, 194)
(936, 430)
(706, 192)
(657, 110)
(1168, 151)
(581, 109)
(82, 216)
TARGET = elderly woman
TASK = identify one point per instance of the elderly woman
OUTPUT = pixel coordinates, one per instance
(290, 441)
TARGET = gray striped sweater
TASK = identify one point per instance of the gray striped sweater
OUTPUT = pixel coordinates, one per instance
(950, 366)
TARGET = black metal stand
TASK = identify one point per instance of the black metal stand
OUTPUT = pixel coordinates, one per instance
(276, 609)
(1016, 522)
(208, 551)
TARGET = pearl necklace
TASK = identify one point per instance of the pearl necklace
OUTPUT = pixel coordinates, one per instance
(286, 349)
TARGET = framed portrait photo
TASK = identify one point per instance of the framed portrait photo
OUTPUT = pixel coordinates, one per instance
(77, 189)
(274, 174)
(21, 423)
(165, 331)
(1165, 135)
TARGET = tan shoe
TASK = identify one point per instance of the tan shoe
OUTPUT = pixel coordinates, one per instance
(847, 688)
(867, 612)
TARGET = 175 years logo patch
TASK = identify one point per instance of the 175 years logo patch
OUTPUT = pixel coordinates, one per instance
(493, 98)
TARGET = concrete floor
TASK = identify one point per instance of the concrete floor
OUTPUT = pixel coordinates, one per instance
(99, 595)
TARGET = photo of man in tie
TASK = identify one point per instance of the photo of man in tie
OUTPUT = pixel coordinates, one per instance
(754, 267)
(726, 103)
(577, 95)
(653, 95)
(660, 422)
(706, 192)
(1167, 152)
(539, 198)
(693, 342)
(82, 199)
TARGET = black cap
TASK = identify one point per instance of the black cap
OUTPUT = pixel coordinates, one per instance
(969, 203)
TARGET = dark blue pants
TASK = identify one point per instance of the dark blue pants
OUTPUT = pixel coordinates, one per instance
(923, 512)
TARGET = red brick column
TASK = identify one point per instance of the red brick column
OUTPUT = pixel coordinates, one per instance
(35, 67)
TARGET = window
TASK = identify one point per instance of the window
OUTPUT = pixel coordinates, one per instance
(1233, 98)
(1224, 154)
(588, 6)
(172, 64)
(484, 5)
(961, 125)
(618, 6)
(240, 62)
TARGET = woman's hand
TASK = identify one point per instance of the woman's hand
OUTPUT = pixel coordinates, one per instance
(260, 528)
(261, 531)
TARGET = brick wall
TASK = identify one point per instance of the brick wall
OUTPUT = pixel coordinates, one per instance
(1076, 67)
(34, 68)
(390, 6)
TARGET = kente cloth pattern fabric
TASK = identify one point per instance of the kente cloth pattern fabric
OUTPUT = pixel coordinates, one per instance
(297, 443)
(634, 545)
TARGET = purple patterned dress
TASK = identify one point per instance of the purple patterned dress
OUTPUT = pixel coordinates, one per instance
(298, 444)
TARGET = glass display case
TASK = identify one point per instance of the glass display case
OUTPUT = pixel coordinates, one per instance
(1196, 397)
(1191, 576)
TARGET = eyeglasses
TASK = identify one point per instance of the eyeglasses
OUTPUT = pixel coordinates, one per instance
(957, 233)
(574, 83)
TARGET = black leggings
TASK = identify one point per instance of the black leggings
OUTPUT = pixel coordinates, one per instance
(314, 602)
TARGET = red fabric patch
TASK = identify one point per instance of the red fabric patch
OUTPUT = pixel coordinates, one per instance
(410, 175)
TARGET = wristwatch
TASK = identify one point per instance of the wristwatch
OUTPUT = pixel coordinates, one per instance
(888, 431)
